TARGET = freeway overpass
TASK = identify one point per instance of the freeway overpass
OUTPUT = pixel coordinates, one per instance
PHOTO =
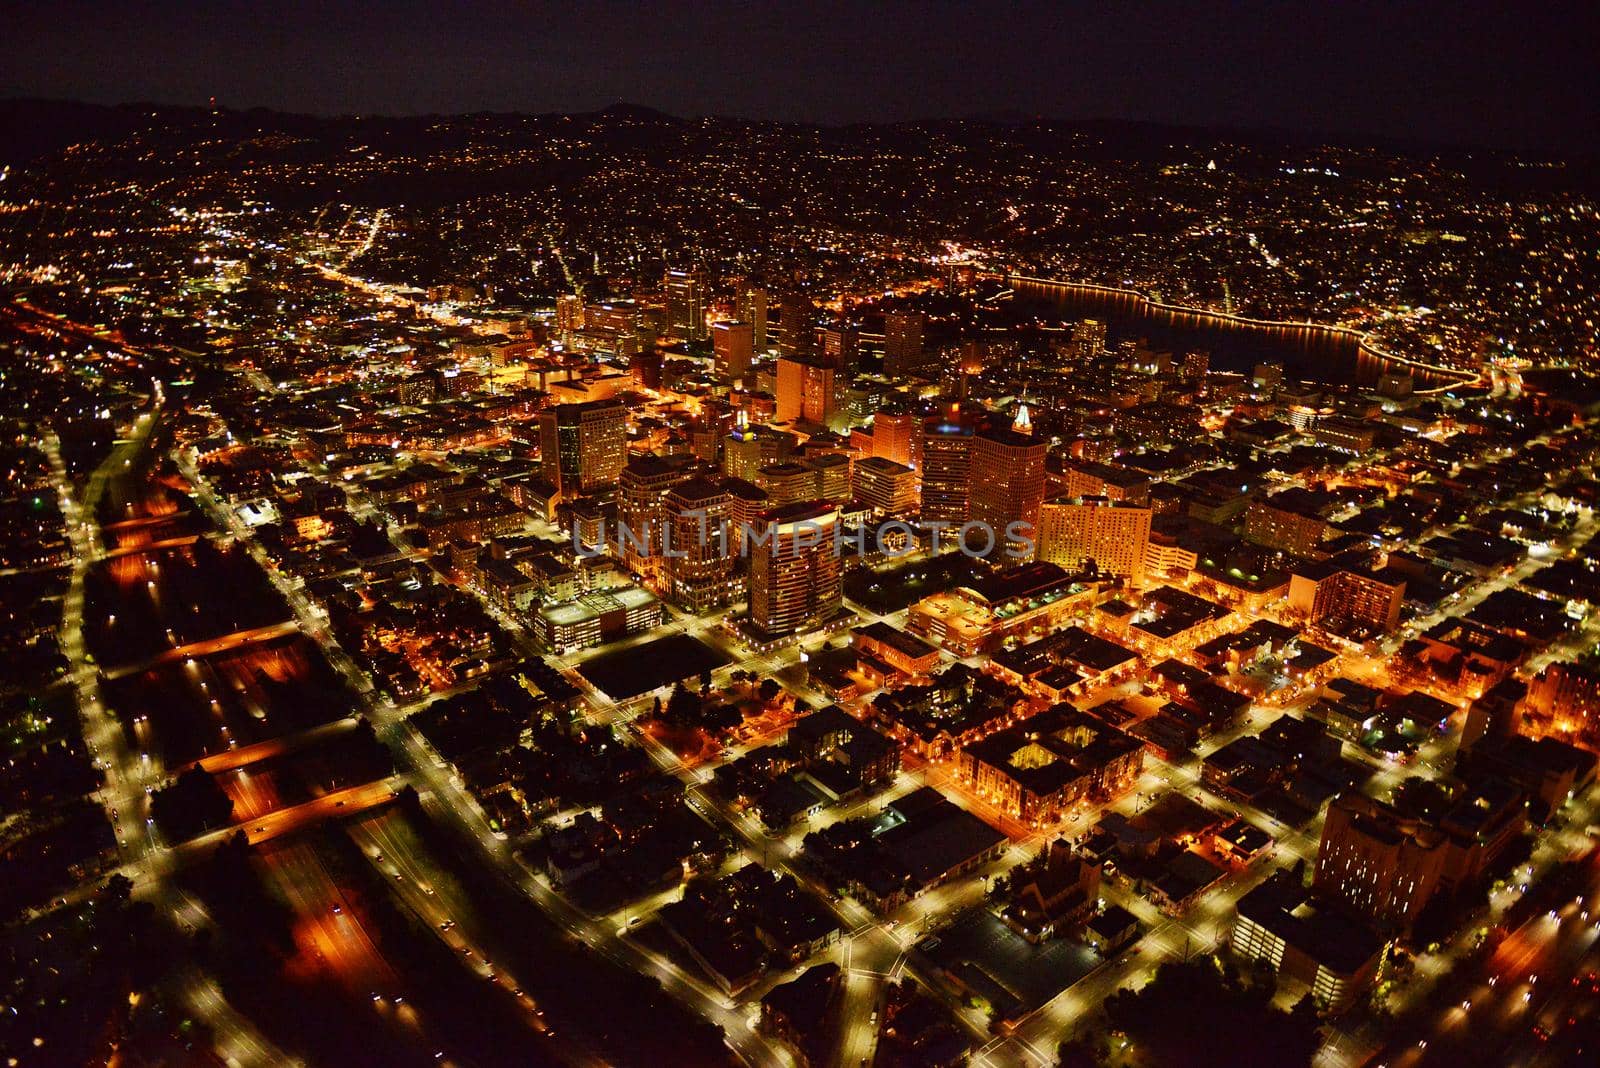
(339, 804)
(209, 646)
(245, 755)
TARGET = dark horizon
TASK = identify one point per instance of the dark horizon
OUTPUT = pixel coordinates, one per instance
(1428, 74)
(1258, 134)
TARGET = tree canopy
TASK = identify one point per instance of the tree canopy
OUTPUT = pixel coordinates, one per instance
(1200, 1014)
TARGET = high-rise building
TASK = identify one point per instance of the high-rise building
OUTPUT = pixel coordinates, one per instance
(1007, 482)
(833, 475)
(569, 314)
(788, 482)
(641, 512)
(747, 502)
(841, 347)
(1196, 365)
(944, 465)
(795, 572)
(1111, 535)
(1281, 522)
(1379, 865)
(751, 307)
(748, 448)
(887, 488)
(1387, 865)
(1089, 338)
(582, 446)
(456, 381)
(902, 343)
(686, 304)
(797, 326)
(701, 569)
(734, 345)
(1087, 478)
(646, 366)
(616, 316)
(893, 436)
(1331, 591)
(1267, 377)
(805, 391)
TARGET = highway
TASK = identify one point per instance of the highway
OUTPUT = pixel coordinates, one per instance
(126, 776)
(393, 847)
(331, 937)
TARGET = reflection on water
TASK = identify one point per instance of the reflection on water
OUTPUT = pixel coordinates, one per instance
(1236, 343)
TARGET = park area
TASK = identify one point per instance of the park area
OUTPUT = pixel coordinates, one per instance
(887, 590)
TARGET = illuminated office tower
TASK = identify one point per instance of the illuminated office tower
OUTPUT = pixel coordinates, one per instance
(1089, 338)
(788, 482)
(841, 347)
(1196, 365)
(1008, 481)
(944, 465)
(805, 390)
(833, 476)
(582, 446)
(701, 567)
(751, 307)
(734, 344)
(902, 343)
(797, 326)
(795, 574)
(1267, 376)
(619, 316)
(1110, 534)
(893, 436)
(686, 304)
(748, 448)
(887, 488)
(641, 511)
(569, 314)
(1330, 590)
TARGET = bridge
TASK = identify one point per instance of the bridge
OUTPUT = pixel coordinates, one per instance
(340, 804)
(226, 643)
(255, 753)
(179, 542)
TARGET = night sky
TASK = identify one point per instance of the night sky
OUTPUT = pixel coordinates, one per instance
(1511, 75)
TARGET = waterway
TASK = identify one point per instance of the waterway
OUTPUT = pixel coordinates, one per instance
(1236, 343)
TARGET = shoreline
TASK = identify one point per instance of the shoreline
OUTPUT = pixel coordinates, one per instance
(1364, 347)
